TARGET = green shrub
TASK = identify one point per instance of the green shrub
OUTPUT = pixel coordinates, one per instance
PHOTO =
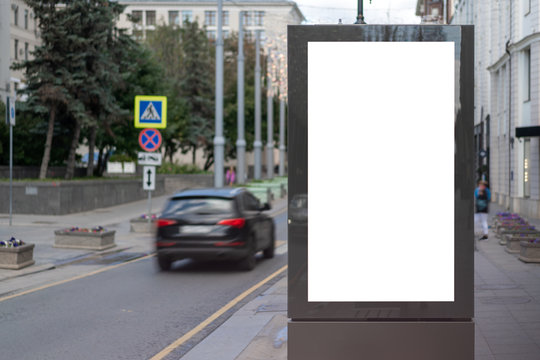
(171, 168)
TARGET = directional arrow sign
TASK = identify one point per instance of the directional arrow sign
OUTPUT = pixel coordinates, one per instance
(145, 158)
(149, 178)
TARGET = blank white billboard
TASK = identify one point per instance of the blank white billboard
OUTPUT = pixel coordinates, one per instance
(381, 171)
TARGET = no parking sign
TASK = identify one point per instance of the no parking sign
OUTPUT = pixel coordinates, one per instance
(150, 139)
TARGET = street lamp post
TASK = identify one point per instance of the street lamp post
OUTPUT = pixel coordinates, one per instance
(360, 17)
(269, 119)
(257, 145)
(241, 142)
(219, 140)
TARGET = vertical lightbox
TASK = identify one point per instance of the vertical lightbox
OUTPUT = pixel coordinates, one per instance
(379, 148)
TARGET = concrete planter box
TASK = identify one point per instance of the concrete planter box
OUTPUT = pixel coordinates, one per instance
(17, 257)
(517, 238)
(505, 231)
(529, 252)
(84, 240)
(140, 225)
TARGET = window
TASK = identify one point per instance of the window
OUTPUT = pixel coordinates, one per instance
(526, 167)
(248, 18)
(210, 18)
(16, 49)
(187, 15)
(26, 19)
(225, 18)
(211, 34)
(225, 34)
(136, 16)
(150, 17)
(174, 19)
(251, 203)
(527, 75)
(204, 205)
(259, 18)
(25, 51)
(16, 15)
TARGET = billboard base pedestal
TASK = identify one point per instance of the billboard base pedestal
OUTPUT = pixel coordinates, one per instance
(381, 340)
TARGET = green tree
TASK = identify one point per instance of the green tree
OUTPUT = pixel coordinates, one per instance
(197, 88)
(51, 75)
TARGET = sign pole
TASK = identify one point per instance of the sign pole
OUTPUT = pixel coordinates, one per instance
(149, 206)
(10, 173)
(10, 119)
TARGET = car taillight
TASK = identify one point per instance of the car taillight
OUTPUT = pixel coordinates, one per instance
(236, 223)
(165, 222)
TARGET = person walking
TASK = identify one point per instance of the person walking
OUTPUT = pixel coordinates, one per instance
(482, 197)
(230, 176)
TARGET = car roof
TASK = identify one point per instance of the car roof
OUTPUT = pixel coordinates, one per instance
(210, 192)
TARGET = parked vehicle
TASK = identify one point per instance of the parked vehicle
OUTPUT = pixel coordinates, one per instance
(214, 224)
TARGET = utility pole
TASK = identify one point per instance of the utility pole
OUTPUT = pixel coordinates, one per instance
(219, 140)
(269, 118)
(257, 144)
(281, 134)
(240, 142)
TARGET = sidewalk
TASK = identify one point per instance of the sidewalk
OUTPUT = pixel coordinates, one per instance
(507, 314)
(39, 230)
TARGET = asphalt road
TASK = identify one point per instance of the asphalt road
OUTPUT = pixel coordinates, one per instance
(129, 312)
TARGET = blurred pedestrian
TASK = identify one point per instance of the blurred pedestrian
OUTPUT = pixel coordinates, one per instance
(482, 197)
(230, 176)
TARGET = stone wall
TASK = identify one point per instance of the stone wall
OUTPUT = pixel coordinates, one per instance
(65, 197)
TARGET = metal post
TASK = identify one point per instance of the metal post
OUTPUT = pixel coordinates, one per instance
(10, 166)
(360, 17)
(282, 135)
(240, 142)
(269, 120)
(219, 140)
(257, 145)
(149, 206)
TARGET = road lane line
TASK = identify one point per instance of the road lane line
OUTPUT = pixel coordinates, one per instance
(82, 276)
(166, 351)
(279, 212)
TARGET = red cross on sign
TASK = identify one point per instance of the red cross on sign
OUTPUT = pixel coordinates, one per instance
(150, 139)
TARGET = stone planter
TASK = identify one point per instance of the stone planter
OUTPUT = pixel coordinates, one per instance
(517, 238)
(17, 257)
(84, 240)
(529, 252)
(141, 225)
(504, 231)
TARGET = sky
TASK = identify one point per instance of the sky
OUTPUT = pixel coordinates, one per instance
(378, 12)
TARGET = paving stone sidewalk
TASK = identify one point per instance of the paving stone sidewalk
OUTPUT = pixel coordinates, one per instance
(507, 314)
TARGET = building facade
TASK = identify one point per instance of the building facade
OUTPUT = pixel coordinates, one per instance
(507, 104)
(19, 33)
(270, 17)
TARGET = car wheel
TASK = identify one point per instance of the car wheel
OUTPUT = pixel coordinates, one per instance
(269, 252)
(248, 263)
(164, 263)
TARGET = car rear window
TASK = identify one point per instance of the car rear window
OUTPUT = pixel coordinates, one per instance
(200, 206)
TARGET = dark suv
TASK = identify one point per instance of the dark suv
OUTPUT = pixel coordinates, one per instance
(214, 224)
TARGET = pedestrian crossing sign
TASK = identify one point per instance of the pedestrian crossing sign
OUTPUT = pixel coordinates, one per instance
(151, 112)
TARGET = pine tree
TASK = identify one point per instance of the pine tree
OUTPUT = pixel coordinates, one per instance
(49, 75)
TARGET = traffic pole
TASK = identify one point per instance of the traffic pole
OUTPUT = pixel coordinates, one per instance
(149, 206)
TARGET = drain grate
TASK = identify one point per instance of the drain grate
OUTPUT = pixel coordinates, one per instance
(503, 300)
